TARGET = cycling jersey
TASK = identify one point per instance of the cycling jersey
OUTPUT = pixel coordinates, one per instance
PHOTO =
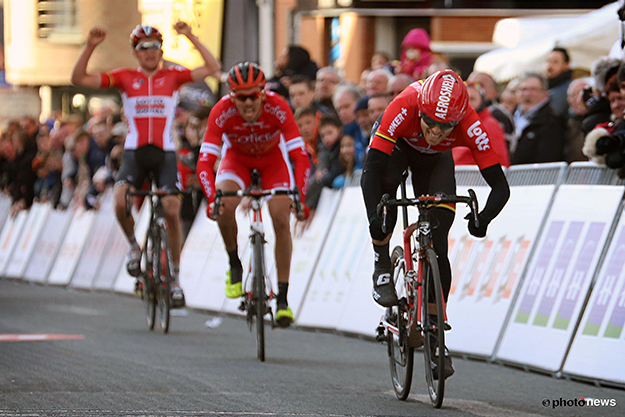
(149, 103)
(258, 140)
(401, 121)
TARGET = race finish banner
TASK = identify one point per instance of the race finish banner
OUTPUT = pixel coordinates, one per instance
(560, 275)
(601, 329)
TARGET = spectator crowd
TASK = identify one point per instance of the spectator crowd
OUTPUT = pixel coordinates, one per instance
(538, 117)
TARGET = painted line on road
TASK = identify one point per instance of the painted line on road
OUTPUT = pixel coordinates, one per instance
(39, 337)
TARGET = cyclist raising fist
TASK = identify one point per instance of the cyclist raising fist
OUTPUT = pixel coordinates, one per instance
(257, 130)
(416, 131)
(150, 95)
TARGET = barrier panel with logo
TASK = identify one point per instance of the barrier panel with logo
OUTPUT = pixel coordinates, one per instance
(37, 216)
(72, 247)
(48, 245)
(11, 232)
(599, 343)
(96, 245)
(339, 265)
(554, 289)
(5, 209)
(486, 272)
(113, 258)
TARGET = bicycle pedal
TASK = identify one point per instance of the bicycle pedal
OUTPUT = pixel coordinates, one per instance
(380, 333)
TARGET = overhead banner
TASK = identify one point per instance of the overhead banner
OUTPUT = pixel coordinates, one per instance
(559, 276)
(597, 350)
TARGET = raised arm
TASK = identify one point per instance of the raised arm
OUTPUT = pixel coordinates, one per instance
(211, 65)
(80, 76)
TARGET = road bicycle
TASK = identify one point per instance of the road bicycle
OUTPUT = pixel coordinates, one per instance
(258, 289)
(156, 262)
(414, 322)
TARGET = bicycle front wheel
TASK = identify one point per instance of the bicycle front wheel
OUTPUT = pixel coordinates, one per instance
(401, 356)
(162, 265)
(259, 294)
(433, 328)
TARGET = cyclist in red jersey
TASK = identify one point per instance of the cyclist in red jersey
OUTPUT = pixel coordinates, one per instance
(150, 97)
(417, 131)
(257, 131)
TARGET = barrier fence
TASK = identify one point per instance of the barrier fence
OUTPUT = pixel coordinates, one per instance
(544, 290)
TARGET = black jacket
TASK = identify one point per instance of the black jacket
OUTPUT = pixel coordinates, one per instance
(543, 139)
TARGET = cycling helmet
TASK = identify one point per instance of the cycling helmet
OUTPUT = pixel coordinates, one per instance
(143, 32)
(246, 75)
(444, 97)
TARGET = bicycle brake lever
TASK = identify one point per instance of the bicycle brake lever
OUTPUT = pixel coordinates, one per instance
(474, 208)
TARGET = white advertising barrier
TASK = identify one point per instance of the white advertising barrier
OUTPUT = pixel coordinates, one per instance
(38, 213)
(96, 244)
(72, 247)
(5, 209)
(339, 268)
(486, 272)
(117, 248)
(307, 247)
(210, 289)
(124, 282)
(559, 276)
(597, 350)
(9, 237)
(48, 245)
(195, 253)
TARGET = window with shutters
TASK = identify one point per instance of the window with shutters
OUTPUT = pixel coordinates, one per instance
(57, 19)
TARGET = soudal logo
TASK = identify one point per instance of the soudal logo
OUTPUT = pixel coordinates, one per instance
(397, 120)
(225, 115)
(481, 138)
(444, 96)
(277, 111)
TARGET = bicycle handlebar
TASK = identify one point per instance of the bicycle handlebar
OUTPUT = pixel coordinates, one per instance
(257, 195)
(152, 193)
(427, 201)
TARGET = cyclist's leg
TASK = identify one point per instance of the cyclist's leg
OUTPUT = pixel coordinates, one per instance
(275, 173)
(168, 180)
(233, 175)
(380, 177)
(129, 175)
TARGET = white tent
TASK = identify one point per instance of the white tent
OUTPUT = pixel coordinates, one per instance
(587, 37)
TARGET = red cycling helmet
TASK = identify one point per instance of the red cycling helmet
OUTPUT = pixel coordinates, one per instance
(246, 75)
(444, 98)
(143, 32)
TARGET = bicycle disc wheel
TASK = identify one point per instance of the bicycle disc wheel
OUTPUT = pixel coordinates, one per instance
(259, 295)
(401, 356)
(149, 287)
(433, 330)
(164, 264)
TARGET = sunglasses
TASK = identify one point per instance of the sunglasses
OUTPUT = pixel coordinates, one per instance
(243, 97)
(432, 123)
(153, 46)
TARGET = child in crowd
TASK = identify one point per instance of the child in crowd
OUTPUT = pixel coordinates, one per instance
(307, 119)
(328, 167)
(347, 160)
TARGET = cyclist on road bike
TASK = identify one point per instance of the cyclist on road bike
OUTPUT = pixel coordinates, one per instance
(417, 131)
(257, 130)
(150, 96)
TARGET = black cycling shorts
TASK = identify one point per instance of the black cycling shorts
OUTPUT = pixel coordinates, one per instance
(137, 165)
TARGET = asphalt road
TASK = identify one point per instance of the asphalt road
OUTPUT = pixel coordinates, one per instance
(105, 362)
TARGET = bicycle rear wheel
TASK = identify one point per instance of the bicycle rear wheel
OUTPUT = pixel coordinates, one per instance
(433, 329)
(164, 264)
(401, 356)
(149, 286)
(259, 294)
